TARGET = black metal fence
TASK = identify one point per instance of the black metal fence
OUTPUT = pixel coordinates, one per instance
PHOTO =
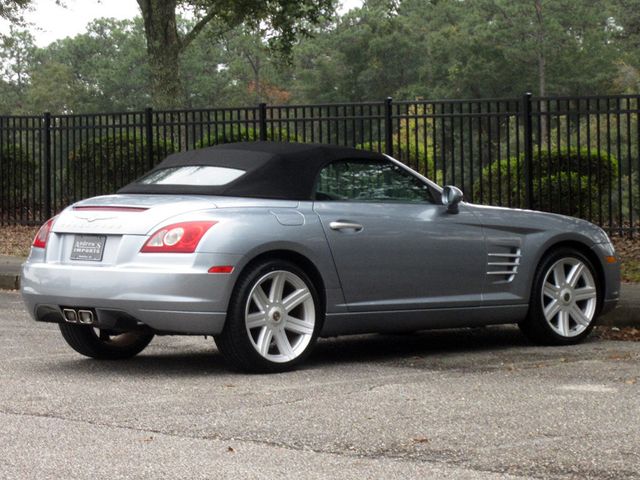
(572, 155)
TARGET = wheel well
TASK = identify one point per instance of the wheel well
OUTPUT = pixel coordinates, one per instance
(587, 252)
(301, 261)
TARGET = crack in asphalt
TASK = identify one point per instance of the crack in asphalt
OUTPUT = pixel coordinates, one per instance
(435, 455)
(387, 454)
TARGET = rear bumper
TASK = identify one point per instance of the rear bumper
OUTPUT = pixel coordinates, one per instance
(173, 299)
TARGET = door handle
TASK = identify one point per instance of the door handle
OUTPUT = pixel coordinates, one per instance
(340, 225)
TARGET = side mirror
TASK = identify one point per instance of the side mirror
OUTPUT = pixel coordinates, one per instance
(451, 197)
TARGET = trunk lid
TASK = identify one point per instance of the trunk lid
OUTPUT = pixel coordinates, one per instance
(126, 214)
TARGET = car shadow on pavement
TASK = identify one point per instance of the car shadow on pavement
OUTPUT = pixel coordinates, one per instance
(168, 357)
(428, 343)
(176, 363)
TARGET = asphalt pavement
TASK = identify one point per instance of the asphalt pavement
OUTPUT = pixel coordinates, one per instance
(466, 404)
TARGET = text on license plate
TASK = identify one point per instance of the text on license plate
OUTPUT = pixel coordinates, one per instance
(88, 247)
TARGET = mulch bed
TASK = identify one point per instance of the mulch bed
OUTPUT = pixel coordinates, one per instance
(16, 240)
(627, 334)
(628, 251)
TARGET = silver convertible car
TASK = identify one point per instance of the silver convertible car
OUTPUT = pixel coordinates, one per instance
(267, 246)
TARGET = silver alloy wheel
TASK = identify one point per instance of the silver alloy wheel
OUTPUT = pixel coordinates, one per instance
(280, 316)
(569, 297)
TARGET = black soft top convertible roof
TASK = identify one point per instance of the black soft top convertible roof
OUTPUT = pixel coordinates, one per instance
(273, 169)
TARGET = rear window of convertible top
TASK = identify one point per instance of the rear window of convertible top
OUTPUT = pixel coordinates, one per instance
(192, 175)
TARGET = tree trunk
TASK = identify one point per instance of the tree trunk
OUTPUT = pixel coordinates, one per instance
(164, 46)
(255, 67)
(258, 82)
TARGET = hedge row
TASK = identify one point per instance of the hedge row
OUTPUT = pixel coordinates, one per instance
(555, 173)
(103, 164)
(18, 174)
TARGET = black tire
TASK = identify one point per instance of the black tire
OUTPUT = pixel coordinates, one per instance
(84, 340)
(535, 326)
(238, 344)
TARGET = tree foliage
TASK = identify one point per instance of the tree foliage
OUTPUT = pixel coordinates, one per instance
(12, 10)
(226, 53)
(285, 20)
(16, 61)
(462, 49)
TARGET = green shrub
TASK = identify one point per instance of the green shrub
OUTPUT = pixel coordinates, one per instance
(556, 176)
(104, 164)
(546, 194)
(627, 198)
(19, 180)
(243, 134)
(415, 156)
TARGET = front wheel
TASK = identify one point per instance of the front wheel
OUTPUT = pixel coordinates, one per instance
(104, 344)
(564, 299)
(273, 319)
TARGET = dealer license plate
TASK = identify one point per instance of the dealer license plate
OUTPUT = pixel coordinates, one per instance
(88, 247)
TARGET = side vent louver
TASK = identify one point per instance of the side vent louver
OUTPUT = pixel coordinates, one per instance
(504, 266)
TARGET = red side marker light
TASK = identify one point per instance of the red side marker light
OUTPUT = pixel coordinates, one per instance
(221, 269)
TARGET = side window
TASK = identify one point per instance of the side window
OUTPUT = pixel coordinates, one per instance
(369, 181)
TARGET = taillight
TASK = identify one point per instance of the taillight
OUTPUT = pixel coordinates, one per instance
(177, 238)
(40, 240)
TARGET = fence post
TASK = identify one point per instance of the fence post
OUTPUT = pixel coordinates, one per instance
(262, 121)
(388, 127)
(148, 129)
(528, 149)
(46, 135)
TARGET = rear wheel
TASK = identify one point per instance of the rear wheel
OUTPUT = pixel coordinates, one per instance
(104, 344)
(564, 299)
(273, 319)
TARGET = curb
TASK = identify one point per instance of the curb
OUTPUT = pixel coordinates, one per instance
(627, 313)
(9, 282)
(10, 272)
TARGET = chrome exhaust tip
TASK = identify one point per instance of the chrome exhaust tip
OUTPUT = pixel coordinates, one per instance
(85, 317)
(70, 315)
